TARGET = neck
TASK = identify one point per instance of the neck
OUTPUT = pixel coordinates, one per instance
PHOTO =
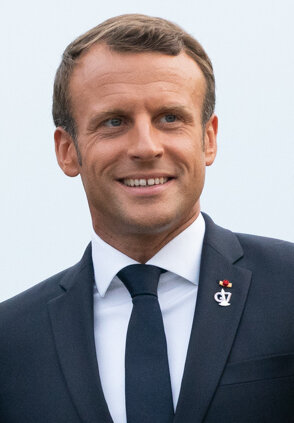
(141, 246)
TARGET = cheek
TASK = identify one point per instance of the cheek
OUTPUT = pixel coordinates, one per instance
(189, 156)
(100, 159)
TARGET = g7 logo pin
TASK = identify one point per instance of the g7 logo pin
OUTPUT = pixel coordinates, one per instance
(223, 298)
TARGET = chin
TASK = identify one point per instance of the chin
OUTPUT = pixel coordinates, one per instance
(152, 225)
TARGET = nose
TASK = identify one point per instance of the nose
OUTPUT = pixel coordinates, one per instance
(145, 142)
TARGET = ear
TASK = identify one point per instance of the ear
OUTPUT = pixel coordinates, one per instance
(66, 152)
(210, 145)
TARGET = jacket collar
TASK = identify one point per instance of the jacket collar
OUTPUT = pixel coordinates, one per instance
(214, 327)
(73, 330)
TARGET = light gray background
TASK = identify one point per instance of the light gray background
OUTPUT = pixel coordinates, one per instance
(45, 223)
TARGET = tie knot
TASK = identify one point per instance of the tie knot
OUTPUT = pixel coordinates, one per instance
(140, 279)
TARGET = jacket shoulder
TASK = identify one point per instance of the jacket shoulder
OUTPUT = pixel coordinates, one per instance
(274, 254)
(34, 298)
(38, 296)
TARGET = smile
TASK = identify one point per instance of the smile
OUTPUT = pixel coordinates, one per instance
(144, 182)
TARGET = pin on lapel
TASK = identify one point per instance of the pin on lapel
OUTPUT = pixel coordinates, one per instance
(223, 297)
(225, 283)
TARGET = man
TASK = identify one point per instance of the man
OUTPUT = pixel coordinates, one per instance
(134, 113)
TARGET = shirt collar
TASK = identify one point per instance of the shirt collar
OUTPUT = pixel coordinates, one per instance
(182, 256)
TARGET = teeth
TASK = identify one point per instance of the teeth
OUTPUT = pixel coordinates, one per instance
(144, 182)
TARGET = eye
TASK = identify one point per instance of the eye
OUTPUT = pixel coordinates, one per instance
(113, 122)
(170, 118)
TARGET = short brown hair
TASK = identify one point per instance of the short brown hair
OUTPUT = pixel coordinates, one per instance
(130, 33)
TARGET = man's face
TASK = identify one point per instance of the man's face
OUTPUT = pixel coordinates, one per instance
(141, 139)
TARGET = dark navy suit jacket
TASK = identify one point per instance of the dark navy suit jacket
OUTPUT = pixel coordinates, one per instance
(240, 361)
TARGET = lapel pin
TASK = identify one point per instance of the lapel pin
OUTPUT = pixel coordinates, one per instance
(225, 283)
(223, 298)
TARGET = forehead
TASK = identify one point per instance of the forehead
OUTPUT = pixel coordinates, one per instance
(108, 75)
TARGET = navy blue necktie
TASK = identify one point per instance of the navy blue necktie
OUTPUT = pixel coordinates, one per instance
(148, 387)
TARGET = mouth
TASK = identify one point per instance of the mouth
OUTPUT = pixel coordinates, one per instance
(145, 182)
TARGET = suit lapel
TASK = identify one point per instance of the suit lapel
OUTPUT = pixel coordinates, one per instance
(214, 327)
(72, 322)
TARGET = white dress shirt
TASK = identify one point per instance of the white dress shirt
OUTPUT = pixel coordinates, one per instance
(177, 293)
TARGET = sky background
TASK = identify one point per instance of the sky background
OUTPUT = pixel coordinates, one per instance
(44, 220)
